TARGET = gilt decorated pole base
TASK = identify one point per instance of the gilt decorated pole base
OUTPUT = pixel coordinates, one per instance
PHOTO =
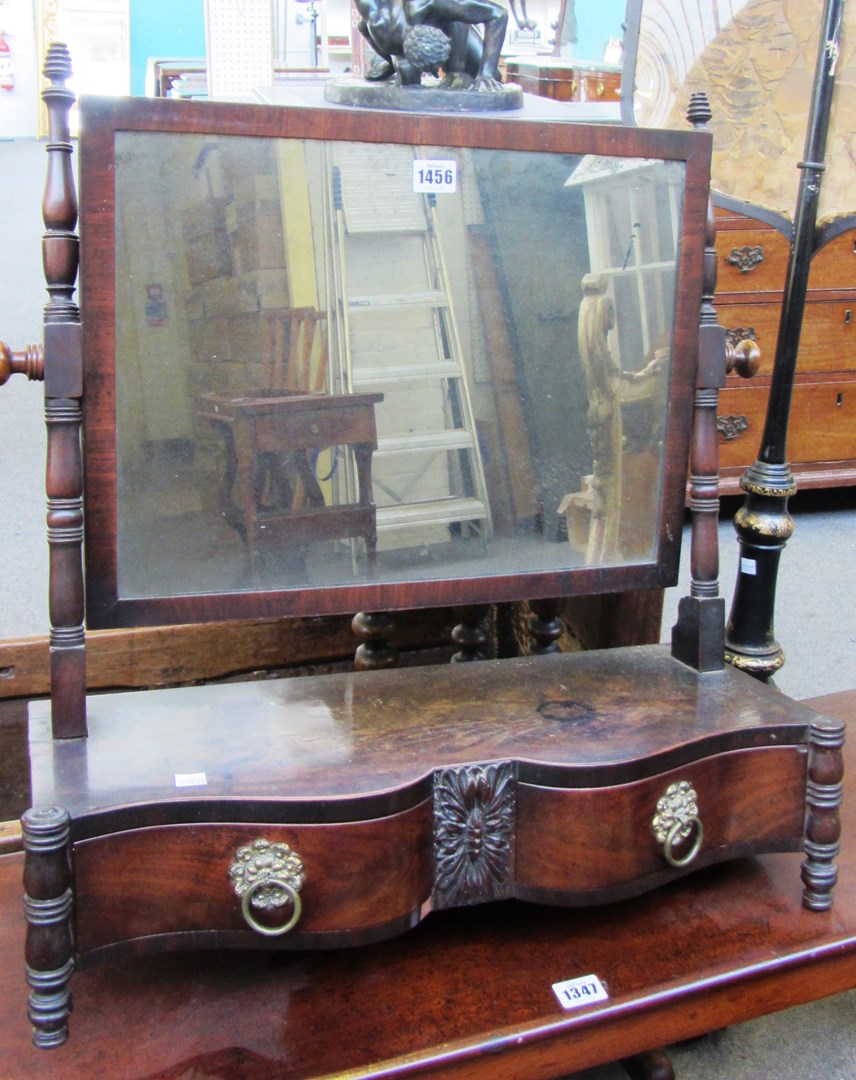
(763, 527)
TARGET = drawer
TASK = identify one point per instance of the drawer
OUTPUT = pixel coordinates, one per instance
(827, 342)
(828, 339)
(822, 422)
(834, 266)
(362, 881)
(314, 428)
(573, 844)
(751, 260)
(760, 323)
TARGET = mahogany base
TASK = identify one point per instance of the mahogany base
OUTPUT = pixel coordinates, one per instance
(391, 795)
(466, 994)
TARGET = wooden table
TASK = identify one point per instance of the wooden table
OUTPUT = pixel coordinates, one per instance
(262, 429)
(467, 993)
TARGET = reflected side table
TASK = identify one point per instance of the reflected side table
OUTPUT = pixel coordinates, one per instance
(263, 429)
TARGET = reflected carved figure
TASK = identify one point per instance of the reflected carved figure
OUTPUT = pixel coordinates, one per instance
(400, 32)
(609, 387)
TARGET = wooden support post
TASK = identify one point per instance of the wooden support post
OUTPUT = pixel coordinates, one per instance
(698, 635)
(545, 626)
(375, 628)
(48, 905)
(823, 813)
(470, 635)
(63, 377)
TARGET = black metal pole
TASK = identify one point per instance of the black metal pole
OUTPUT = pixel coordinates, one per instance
(763, 524)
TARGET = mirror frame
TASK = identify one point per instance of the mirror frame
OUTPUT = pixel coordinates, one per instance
(102, 118)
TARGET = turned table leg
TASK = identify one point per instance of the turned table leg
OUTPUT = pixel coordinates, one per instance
(651, 1065)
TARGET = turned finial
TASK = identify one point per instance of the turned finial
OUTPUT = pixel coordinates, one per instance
(57, 66)
(699, 112)
(29, 361)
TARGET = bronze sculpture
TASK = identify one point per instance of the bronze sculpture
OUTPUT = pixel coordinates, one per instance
(473, 59)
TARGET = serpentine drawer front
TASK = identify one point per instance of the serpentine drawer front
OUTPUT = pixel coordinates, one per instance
(328, 884)
(342, 809)
(367, 878)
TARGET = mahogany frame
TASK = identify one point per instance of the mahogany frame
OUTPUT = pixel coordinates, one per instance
(102, 118)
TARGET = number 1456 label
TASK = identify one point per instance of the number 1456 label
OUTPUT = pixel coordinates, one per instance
(581, 991)
(434, 175)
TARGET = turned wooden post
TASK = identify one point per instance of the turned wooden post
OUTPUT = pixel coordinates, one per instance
(48, 905)
(823, 812)
(470, 635)
(63, 377)
(698, 637)
(375, 652)
(649, 1065)
(545, 627)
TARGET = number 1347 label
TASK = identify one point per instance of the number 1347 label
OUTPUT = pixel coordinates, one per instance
(433, 175)
(582, 991)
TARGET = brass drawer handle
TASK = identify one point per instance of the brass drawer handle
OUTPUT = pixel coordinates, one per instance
(268, 875)
(746, 258)
(732, 427)
(675, 821)
(742, 355)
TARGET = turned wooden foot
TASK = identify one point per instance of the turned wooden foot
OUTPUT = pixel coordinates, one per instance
(652, 1065)
(48, 904)
(823, 813)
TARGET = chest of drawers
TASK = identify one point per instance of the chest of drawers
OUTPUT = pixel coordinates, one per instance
(752, 262)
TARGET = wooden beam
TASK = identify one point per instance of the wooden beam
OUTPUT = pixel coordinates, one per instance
(158, 656)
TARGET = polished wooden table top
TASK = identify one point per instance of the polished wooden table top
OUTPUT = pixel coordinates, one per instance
(468, 993)
(574, 718)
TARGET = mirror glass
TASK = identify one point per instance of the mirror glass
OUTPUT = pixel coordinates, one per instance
(343, 362)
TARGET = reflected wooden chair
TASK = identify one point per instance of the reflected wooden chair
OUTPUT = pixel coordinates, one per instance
(295, 350)
(273, 433)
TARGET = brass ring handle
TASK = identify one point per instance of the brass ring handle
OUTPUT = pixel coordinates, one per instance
(675, 834)
(267, 874)
(260, 928)
(675, 821)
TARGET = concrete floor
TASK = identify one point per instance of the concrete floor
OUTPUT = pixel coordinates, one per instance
(815, 620)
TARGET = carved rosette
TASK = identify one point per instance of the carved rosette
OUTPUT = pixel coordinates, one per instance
(474, 811)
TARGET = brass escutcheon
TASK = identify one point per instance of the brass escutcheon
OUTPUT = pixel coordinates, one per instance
(267, 875)
(676, 820)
